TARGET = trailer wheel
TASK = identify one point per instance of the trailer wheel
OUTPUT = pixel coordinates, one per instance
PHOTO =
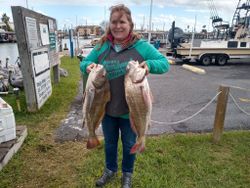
(221, 60)
(206, 60)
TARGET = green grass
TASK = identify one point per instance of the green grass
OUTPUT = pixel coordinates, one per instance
(176, 160)
(184, 160)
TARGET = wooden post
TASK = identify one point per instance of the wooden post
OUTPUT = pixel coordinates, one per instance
(220, 113)
(25, 58)
(56, 73)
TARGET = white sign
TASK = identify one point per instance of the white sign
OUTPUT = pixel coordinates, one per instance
(41, 74)
(44, 31)
(43, 88)
(51, 26)
(41, 62)
(32, 32)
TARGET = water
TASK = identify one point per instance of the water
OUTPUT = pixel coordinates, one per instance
(10, 50)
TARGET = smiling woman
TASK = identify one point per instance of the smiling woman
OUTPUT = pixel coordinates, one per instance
(117, 47)
(120, 24)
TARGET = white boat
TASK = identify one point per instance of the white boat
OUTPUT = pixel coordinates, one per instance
(220, 51)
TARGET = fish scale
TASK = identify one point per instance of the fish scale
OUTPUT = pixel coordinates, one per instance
(139, 100)
(96, 96)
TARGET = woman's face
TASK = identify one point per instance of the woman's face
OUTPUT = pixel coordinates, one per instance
(119, 26)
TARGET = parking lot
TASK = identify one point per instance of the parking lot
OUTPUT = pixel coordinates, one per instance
(180, 93)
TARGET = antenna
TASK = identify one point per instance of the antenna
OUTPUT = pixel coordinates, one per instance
(27, 4)
(150, 21)
(220, 27)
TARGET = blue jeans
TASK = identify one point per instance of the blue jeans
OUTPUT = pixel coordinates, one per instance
(111, 126)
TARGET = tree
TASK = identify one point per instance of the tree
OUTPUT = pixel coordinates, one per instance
(5, 19)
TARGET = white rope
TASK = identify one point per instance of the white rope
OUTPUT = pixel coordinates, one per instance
(237, 105)
(236, 87)
(188, 118)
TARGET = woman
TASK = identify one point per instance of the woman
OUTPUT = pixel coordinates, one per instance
(117, 47)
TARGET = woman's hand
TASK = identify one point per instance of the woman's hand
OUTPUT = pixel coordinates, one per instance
(145, 66)
(90, 67)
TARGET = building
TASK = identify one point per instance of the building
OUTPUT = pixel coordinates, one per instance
(89, 30)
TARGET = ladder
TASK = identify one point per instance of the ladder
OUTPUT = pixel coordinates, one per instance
(236, 16)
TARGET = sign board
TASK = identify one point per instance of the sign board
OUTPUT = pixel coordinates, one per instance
(32, 32)
(52, 34)
(36, 40)
(41, 72)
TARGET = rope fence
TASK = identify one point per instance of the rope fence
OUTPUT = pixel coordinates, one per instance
(222, 95)
(237, 105)
(188, 118)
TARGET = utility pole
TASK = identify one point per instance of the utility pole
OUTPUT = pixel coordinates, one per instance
(192, 40)
(76, 38)
(27, 4)
(105, 21)
(150, 20)
(143, 22)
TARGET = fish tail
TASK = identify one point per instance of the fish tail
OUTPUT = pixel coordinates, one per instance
(139, 146)
(92, 142)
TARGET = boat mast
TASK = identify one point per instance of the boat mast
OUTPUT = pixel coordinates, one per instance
(150, 20)
(240, 22)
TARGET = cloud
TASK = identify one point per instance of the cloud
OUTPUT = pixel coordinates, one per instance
(201, 8)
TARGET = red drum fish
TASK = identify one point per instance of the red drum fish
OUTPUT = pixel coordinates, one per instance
(96, 96)
(139, 100)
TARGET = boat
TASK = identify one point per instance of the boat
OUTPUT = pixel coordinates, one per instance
(235, 45)
(7, 36)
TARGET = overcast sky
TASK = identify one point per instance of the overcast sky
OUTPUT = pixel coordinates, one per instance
(80, 12)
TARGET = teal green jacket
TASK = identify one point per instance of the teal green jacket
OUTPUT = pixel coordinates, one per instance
(115, 63)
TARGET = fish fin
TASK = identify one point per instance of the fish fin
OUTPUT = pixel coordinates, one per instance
(139, 146)
(132, 123)
(83, 117)
(92, 142)
(83, 96)
(91, 95)
(151, 96)
(146, 96)
(98, 123)
(83, 123)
